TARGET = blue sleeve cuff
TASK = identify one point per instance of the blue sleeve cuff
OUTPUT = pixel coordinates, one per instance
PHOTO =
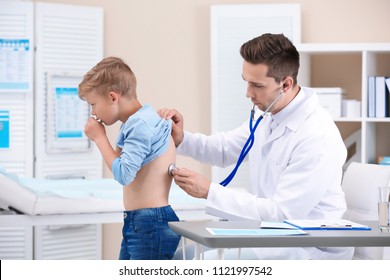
(117, 172)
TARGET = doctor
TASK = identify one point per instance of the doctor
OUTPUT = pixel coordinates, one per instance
(296, 159)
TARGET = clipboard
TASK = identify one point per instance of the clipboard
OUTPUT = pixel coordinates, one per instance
(331, 224)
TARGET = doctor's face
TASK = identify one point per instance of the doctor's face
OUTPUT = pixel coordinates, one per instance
(262, 90)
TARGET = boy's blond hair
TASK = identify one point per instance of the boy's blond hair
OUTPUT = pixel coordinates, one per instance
(110, 74)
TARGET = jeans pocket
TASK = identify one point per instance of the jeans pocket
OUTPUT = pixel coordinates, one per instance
(138, 242)
(143, 229)
(168, 244)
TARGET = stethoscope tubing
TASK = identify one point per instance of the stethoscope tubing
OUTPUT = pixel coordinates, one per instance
(245, 150)
(249, 142)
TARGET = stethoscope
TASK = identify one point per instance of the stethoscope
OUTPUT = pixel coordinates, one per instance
(248, 144)
(251, 139)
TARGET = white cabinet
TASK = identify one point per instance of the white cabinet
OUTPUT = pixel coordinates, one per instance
(16, 243)
(16, 88)
(348, 66)
(50, 40)
(53, 242)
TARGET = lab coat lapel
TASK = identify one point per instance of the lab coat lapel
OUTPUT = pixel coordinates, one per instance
(276, 133)
(291, 118)
(256, 155)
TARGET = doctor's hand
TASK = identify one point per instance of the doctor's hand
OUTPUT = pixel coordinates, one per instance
(191, 182)
(94, 130)
(177, 123)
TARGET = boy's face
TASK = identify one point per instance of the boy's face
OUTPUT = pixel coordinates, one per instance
(103, 107)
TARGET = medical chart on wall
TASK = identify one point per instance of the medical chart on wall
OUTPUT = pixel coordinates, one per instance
(66, 114)
(69, 113)
(4, 129)
(15, 64)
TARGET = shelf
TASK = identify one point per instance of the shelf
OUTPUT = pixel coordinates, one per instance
(343, 48)
(348, 120)
(348, 66)
(377, 120)
(371, 120)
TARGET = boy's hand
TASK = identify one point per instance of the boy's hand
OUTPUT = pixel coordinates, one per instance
(94, 130)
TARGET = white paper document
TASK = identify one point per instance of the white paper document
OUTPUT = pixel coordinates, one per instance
(15, 64)
(255, 232)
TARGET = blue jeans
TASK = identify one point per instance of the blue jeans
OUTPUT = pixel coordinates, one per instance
(147, 236)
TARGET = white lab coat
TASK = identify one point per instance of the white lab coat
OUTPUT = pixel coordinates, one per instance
(295, 171)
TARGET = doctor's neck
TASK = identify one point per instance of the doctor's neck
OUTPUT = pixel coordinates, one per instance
(285, 99)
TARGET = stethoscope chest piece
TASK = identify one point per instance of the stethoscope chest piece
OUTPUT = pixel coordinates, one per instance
(171, 168)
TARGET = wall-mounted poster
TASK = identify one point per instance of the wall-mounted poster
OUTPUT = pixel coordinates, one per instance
(4, 129)
(67, 114)
(15, 64)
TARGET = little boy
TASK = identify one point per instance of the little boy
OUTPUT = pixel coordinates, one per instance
(140, 162)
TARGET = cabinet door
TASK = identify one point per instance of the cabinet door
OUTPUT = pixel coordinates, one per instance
(16, 86)
(69, 43)
(16, 243)
(68, 242)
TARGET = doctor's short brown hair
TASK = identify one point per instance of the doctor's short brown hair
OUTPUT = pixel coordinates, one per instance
(277, 52)
(110, 74)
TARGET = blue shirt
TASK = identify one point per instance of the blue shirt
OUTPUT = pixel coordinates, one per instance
(142, 138)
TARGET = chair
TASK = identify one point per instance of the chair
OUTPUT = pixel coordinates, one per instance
(360, 185)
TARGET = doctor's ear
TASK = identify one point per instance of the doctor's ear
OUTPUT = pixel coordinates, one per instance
(287, 83)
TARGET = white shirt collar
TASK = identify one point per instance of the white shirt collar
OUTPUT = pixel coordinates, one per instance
(300, 107)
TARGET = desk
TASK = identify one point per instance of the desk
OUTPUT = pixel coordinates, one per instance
(197, 232)
(14, 220)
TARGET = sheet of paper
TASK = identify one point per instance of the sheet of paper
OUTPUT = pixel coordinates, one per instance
(255, 232)
(14, 64)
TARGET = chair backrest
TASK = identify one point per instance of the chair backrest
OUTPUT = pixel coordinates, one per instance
(360, 185)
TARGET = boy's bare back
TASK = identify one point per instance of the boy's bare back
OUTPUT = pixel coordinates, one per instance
(152, 183)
